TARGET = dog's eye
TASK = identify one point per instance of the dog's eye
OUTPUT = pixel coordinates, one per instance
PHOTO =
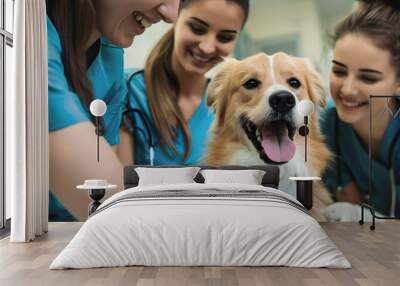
(294, 82)
(251, 84)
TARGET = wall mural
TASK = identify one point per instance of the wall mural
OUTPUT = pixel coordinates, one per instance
(280, 83)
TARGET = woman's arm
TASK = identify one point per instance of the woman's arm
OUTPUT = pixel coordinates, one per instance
(350, 194)
(125, 149)
(72, 138)
(73, 159)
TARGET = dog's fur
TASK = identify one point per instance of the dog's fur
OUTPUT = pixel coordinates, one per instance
(229, 144)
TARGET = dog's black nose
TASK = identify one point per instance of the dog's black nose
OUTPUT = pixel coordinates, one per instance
(282, 101)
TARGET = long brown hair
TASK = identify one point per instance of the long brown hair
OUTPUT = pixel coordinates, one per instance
(162, 89)
(74, 21)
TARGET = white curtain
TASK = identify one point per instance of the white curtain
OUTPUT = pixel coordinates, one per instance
(27, 124)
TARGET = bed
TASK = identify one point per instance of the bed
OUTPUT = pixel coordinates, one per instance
(201, 224)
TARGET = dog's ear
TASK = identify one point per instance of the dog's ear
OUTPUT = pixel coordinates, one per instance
(218, 88)
(315, 87)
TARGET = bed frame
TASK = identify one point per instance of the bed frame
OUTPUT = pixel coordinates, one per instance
(270, 179)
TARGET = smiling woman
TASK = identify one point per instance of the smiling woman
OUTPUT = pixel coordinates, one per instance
(119, 21)
(85, 40)
(171, 90)
(366, 61)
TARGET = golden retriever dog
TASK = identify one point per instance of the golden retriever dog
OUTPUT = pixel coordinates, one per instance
(257, 118)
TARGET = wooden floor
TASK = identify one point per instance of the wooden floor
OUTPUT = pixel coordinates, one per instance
(374, 255)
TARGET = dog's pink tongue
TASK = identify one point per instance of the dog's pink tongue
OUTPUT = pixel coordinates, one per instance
(278, 147)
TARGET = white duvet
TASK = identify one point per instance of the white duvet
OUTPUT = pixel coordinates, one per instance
(204, 231)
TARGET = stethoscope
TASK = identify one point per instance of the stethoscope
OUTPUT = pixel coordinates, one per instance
(131, 126)
(392, 150)
(129, 122)
(98, 108)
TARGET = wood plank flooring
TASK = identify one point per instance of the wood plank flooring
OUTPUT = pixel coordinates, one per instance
(374, 255)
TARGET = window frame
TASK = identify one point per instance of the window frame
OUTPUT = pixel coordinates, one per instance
(6, 39)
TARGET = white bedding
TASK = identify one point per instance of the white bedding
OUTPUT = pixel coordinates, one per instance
(189, 230)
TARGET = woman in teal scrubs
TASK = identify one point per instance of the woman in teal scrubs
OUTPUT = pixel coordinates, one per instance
(366, 61)
(171, 90)
(85, 62)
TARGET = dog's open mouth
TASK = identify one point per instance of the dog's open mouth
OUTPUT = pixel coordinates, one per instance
(273, 140)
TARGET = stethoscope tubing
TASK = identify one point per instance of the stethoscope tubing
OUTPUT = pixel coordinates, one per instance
(151, 144)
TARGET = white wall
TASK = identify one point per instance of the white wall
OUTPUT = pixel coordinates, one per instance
(136, 55)
(331, 12)
(272, 19)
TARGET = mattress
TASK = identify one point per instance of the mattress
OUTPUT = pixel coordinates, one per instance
(201, 225)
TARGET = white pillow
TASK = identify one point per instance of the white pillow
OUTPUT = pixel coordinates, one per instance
(248, 177)
(166, 176)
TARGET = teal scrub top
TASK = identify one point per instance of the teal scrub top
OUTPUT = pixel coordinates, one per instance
(106, 75)
(348, 149)
(199, 125)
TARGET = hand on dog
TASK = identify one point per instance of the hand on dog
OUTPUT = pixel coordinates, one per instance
(346, 212)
